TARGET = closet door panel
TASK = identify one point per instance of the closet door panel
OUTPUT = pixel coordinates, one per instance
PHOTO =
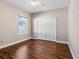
(44, 27)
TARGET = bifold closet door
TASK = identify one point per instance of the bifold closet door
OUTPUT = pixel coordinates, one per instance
(44, 27)
(1, 32)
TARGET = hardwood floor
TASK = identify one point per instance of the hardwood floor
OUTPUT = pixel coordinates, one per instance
(36, 49)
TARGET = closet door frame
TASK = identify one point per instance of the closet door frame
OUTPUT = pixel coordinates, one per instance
(55, 28)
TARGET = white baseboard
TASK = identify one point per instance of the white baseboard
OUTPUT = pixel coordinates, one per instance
(71, 51)
(62, 42)
(4, 46)
(53, 40)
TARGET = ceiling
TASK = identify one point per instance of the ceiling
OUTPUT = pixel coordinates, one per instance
(46, 5)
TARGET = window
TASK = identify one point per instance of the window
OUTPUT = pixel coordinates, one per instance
(22, 25)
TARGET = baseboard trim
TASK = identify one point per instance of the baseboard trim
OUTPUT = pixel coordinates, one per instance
(61, 42)
(7, 45)
(53, 40)
(71, 51)
(4, 46)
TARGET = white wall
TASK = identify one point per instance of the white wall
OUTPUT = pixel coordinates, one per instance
(61, 22)
(8, 23)
(74, 27)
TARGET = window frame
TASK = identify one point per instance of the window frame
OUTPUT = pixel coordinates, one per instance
(26, 25)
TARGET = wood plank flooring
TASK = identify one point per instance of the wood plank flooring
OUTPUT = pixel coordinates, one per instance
(36, 49)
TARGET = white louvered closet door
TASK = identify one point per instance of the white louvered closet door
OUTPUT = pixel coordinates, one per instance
(44, 27)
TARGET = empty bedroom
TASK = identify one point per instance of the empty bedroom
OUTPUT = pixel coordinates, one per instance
(39, 29)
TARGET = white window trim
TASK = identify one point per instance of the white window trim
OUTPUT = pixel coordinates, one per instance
(25, 27)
